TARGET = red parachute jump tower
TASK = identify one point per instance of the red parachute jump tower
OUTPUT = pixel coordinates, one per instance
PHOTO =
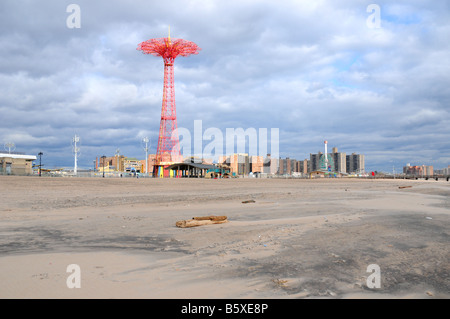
(168, 150)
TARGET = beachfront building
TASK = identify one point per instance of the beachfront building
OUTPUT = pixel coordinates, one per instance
(270, 165)
(337, 162)
(289, 166)
(110, 164)
(444, 171)
(121, 163)
(16, 164)
(340, 161)
(132, 164)
(151, 161)
(303, 166)
(239, 163)
(314, 161)
(355, 163)
(418, 170)
(256, 164)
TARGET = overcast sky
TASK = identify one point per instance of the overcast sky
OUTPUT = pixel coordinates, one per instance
(317, 70)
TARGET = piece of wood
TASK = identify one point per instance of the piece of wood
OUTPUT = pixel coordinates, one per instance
(248, 201)
(216, 218)
(404, 186)
(200, 221)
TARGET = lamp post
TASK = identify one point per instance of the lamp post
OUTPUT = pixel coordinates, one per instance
(103, 162)
(40, 162)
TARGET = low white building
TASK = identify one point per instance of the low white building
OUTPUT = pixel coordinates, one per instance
(16, 164)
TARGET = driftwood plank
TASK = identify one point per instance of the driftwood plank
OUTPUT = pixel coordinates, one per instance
(216, 218)
(200, 221)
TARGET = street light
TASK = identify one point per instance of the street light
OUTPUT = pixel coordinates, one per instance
(103, 161)
(40, 162)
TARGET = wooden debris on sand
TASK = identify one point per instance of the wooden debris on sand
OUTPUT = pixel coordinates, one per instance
(404, 186)
(248, 201)
(199, 221)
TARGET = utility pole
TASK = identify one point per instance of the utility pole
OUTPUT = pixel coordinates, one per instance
(145, 140)
(117, 159)
(76, 150)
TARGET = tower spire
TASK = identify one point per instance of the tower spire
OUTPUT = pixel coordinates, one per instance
(170, 42)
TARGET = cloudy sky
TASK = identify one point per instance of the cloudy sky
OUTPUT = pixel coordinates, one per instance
(317, 70)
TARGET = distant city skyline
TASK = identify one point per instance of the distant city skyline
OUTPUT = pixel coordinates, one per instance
(371, 78)
(138, 156)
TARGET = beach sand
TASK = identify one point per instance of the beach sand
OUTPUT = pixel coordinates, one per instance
(298, 239)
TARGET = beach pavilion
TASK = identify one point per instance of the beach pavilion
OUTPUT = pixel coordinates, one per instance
(194, 170)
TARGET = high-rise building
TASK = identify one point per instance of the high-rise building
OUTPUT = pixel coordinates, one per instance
(288, 166)
(244, 164)
(256, 164)
(288, 170)
(418, 170)
(270, 165)
(314, 161)
(355, 163)
(337, 162)
(303, 166)
(340, 161)
(294, 166)
(281, 166)
(239, 163)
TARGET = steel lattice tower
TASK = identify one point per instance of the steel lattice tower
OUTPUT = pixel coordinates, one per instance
(168, 150)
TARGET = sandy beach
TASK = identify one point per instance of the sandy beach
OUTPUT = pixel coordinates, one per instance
(298, 239)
